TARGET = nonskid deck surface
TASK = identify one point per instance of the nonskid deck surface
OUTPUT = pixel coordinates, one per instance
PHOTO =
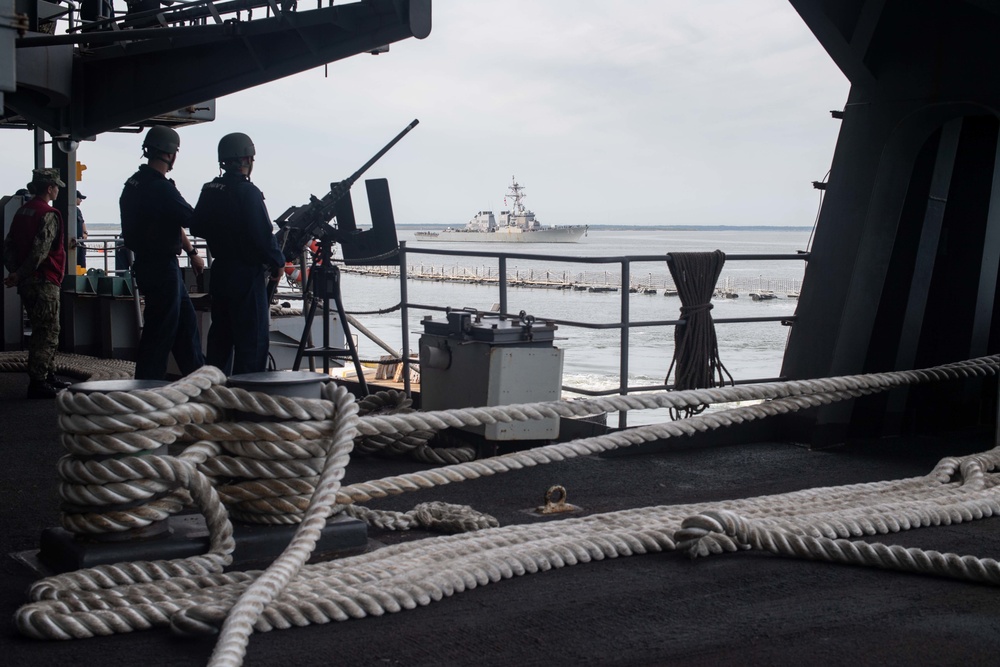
(742, 608)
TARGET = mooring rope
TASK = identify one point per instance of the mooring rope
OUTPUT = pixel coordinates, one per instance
(271, 468)
(414, 443)
(74, 365)
(197, 597)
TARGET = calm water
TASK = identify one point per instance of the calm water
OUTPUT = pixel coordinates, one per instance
(749, 351)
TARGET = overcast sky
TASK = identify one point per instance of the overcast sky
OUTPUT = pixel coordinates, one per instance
(641, 112)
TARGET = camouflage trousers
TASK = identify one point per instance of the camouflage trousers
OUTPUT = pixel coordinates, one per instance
(41, 301)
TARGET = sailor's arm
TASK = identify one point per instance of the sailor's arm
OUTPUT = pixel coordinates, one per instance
(197, 263)
(175, 207)
(260, 231)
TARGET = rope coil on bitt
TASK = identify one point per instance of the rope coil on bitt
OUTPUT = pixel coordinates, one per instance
(113, 477)
(194, 596)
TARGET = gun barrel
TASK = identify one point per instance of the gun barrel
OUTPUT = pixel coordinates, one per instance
(301, 223)
(356, 175)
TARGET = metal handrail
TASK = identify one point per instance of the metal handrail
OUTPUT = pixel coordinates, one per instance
(163, 22)
(102, 248)
(624, 325)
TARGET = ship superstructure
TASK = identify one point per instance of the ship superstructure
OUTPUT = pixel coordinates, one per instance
(515, 225)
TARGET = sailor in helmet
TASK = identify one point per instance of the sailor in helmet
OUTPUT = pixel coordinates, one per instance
(231, 216)
(154, 215)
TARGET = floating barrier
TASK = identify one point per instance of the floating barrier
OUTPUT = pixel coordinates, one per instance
(596, 282)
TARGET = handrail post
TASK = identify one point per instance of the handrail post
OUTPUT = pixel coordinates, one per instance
(404, 313)
(623, 346)
(996, 426)
(502, 282)
(624, 327)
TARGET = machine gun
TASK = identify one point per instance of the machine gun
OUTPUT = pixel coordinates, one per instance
(299, 225)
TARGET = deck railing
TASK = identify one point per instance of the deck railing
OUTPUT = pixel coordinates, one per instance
(624, 266)
(102, 253)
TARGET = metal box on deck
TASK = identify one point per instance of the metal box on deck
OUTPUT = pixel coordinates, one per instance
(469, 360)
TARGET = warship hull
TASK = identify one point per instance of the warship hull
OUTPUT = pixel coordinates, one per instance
(516, 235)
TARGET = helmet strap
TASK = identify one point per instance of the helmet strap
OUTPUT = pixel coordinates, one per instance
(161, 156)
(241, 165)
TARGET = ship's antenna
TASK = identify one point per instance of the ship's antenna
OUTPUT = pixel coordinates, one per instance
(517, 192)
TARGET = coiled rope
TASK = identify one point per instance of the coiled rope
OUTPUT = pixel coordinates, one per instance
(413, 443)
(192, 599)
(74, 365)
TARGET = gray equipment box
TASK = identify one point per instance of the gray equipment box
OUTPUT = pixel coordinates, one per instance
(470, 360)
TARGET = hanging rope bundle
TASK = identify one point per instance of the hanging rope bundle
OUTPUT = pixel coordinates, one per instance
(696, 349)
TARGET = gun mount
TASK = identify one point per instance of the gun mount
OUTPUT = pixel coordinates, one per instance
(299, 225)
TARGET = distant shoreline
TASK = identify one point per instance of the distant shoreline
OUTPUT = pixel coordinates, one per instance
(672, 228)
(114, 227)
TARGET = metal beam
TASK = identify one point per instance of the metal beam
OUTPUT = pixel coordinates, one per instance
(126, 83)
(845, 33)
(927, 248)
(986, 294)
(986, 5)
(8, 30)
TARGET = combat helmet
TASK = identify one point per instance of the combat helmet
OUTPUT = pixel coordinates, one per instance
(163, 139)
(235, 146)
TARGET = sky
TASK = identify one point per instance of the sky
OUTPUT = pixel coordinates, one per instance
(646, 112)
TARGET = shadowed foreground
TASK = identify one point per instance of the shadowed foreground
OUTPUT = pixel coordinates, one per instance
(654, 609)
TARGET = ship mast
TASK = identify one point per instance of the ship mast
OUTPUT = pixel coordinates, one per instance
(517, 192)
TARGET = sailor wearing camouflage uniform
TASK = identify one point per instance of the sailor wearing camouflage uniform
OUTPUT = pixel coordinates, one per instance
(154, 215)
(35, 255)
(232, 218)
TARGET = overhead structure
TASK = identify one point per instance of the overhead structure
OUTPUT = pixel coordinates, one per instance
(9, 23)
(903, 270)
(78, 75)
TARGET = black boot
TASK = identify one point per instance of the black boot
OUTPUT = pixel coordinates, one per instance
(52, 380)
(41, 389)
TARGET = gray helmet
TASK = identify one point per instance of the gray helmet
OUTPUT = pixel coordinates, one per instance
(163, 139)
(235, 146)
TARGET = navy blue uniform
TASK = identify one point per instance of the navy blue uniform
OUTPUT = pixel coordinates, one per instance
(81, 249)
(232, 218)
(153, 213)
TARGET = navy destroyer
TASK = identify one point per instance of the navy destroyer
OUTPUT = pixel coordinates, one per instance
(517, 225)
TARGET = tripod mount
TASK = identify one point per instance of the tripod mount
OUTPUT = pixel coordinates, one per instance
(324, 285)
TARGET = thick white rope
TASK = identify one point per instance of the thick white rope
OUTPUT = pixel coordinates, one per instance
(409, 575)
(75, 365)
(412, 443)
(279, 476)
(465, 417)
(416, 573)
(277, 491)
(239, 623)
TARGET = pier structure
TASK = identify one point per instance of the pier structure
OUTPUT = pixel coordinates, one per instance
(584, 281)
